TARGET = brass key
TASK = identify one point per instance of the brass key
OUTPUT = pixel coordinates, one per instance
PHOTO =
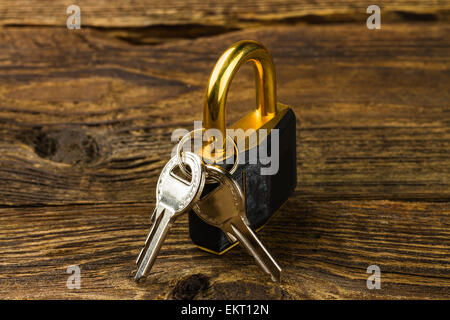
(224, 207)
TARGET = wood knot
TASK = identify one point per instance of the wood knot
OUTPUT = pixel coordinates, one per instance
(66, 145)
(188, 288)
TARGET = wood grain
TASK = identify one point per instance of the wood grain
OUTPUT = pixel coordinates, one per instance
(88, 119)
(85, 127)
(226, 14)
(323, 247)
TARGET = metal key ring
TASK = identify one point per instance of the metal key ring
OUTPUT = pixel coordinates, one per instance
(187, 136)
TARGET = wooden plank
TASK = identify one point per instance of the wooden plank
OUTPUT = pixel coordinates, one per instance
(85, 126)
(88, 119)
(226, 14)
(324, 252)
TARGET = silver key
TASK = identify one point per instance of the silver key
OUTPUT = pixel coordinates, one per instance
(224, 207)
(174, 196)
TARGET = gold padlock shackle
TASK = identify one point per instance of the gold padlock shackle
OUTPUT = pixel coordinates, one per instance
(223, 73)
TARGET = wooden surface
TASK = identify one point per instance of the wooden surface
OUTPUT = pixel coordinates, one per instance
(85, 127)
(225, 13)
(156, 21)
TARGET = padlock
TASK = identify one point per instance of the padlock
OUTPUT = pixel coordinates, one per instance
(264, 193)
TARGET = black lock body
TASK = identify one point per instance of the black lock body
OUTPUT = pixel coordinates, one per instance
(264, 194)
